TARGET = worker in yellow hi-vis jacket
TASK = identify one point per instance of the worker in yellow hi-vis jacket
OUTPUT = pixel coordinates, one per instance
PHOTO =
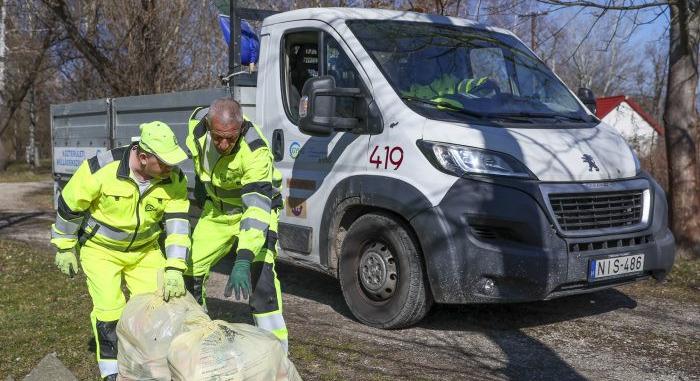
(234, 166)
(110, 213)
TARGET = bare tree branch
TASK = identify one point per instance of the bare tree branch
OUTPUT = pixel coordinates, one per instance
(608, 6)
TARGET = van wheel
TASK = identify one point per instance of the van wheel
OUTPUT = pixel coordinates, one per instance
(381, 273)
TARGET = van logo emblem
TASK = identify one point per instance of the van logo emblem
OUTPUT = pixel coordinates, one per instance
(591, 163)
(294, 149)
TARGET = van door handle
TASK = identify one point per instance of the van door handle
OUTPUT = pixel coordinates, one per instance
(278, 144)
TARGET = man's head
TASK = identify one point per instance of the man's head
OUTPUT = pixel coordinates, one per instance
(150, 166)
(224, 121)
(158, 151)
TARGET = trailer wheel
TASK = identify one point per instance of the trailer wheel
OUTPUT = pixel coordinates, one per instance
(381, 273)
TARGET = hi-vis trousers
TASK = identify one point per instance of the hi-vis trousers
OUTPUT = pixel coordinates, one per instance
(104, 269)
(214, 236)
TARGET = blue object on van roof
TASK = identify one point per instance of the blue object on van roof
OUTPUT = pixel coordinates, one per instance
(250, 43)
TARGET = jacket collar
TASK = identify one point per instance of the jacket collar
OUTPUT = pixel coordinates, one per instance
(123, 169)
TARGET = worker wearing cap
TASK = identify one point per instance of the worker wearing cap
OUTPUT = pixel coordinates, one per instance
(234, 166)
(110, 212)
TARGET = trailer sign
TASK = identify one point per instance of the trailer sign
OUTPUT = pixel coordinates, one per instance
(68, 159)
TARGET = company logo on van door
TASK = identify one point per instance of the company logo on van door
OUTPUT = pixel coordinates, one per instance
(294, 149)
(296, 207)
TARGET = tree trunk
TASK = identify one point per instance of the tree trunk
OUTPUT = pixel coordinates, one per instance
(681, 119)
(4, 156)
(3, 50)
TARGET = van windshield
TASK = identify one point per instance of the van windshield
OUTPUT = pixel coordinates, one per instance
(466, 72)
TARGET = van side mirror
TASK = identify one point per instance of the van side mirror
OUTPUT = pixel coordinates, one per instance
(318, 114)
(588, 98)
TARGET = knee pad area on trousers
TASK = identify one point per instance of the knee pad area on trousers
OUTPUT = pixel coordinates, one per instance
(264, 298)
(107, 337)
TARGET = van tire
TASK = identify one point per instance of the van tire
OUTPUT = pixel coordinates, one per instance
(381, 273)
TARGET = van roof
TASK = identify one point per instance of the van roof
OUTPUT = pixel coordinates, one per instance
(334, 16)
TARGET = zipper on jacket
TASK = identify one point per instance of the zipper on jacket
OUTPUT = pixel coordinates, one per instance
(138, 208)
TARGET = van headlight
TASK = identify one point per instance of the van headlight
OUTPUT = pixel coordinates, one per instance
(462, 160)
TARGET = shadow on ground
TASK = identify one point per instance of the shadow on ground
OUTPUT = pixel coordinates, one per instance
(451, 342)
(11, 219)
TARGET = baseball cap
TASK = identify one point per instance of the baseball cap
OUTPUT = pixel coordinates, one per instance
(158, 139)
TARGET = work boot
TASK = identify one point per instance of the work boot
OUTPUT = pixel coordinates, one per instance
(111, 377)
(195, 286)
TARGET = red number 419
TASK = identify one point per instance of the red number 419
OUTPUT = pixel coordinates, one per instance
(392, 155)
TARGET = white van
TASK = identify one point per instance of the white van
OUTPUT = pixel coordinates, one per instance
(425, 159)
(412, 193)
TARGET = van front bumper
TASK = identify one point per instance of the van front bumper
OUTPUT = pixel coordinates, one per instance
(495, 240)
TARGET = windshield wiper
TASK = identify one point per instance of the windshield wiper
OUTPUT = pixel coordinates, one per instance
(445, 105)
(572, 117)
(525, 114)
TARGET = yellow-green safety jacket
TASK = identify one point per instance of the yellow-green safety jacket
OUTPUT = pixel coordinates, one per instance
(102, 204)
(244, 181)
(445, 86)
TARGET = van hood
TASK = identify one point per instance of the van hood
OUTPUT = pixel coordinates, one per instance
(566, 154)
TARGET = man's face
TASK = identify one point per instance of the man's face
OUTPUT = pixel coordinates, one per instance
(224, 135)
(153, 167)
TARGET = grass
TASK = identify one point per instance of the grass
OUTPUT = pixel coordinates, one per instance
(682, 283)
(685, 274)
(42, 311)
(22, 172)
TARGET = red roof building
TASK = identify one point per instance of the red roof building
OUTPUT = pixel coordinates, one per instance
(638, 127)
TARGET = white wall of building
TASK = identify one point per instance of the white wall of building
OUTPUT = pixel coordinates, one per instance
(637, 131)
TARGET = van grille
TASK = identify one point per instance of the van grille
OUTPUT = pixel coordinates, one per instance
(600, 210)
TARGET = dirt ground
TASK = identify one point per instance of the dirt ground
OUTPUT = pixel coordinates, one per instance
(643, 331)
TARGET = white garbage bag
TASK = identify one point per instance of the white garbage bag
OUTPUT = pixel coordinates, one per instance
(225, 351)
(145, 330)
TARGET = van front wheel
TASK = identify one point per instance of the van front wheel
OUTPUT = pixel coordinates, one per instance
(381, 273)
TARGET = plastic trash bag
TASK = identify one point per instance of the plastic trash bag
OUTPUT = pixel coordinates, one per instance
(146, 329)
(229, 352)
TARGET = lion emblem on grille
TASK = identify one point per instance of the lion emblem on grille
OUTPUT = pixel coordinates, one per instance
(588, 159)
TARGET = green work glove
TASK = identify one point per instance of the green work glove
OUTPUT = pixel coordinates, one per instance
(239, 281)
(67, 262)
(173, 284)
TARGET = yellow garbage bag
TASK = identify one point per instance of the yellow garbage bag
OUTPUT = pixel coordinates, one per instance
(224, 351)
(146, 329)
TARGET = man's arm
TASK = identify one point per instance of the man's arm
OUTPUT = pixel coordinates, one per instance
(177, 240)
(177, 226)
(256, 193)
(73, 202)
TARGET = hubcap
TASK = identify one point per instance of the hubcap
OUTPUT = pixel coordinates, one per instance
(377, 272)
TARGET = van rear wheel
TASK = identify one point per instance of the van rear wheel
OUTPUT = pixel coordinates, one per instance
(381, 273)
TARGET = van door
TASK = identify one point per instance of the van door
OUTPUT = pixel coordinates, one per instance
(310, 166)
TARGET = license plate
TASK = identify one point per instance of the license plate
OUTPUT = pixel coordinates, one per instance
(603, 268)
